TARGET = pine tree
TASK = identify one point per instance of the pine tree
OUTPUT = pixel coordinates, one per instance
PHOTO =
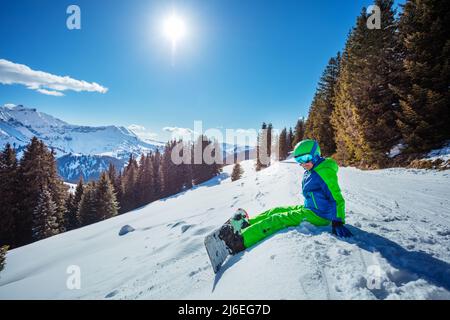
(269, 141)
(145, 183)
(45, 217)
(73, 203)
(38, 172)
(425, 97)
(9, 191)
(203, 171)
(71, 209)
(186, 170)
(130, 194)
(106, 204)
(345, 120)
(283, 145)
(217, 155)
(3, 250)
(157, 181)
(262, 152)
(275, 146)
(318, 125)
(364, 115)
(87, 210)
(237, 172)
(290, 140)
(112, 174)
(118, 188)
(58, 190)
(299, 132)
(32, 175)
(186, 167)
(172, 183)
(140, 184)
(198, 172)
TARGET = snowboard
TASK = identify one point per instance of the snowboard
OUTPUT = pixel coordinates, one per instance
(215, 247)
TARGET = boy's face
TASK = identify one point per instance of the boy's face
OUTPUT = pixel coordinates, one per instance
(307, 166)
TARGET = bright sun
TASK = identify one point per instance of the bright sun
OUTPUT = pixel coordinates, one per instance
(174, 29)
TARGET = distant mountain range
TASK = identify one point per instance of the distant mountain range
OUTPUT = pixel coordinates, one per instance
(80, 150)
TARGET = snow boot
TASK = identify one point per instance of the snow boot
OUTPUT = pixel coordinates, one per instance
(239, 220)
(233, 239)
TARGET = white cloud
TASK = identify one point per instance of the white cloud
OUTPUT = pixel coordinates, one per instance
(43, 82)
(185, 133)
(246, 131)
(9, 105)
(244, 137)
(142, 132)
(50, 92)
(136, 127)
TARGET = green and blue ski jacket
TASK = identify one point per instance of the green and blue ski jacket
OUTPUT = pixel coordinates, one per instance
(321, 190)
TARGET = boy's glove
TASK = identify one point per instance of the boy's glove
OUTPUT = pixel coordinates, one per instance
(339, 230)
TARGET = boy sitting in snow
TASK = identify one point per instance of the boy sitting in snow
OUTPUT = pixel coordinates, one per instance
(323, 205)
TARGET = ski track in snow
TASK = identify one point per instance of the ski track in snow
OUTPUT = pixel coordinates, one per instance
(400, 219)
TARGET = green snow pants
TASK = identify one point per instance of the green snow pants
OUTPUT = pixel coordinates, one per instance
(276, 219)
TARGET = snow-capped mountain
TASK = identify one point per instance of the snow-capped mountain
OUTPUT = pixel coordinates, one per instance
(19, 124)
(79, 145)
(400, 219)
(83, 150)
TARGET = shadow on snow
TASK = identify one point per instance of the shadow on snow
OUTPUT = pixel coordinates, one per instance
(419, 263)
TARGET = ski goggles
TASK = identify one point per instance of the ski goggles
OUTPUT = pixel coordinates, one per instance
(305, 158)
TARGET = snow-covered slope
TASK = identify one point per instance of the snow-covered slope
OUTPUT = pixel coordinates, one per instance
(400, 218)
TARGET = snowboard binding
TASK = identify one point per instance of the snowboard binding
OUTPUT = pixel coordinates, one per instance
(226, 239)
(233, 240)
(240, 220)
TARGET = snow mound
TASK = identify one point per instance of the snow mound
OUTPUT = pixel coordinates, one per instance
(396, 150)
(400, 219)
(442, 153)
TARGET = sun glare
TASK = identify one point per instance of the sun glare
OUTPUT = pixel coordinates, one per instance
(174, 29)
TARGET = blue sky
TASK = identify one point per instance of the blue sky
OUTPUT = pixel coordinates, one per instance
(241, 62)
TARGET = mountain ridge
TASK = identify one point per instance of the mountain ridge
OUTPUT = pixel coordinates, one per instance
(72, 144)
(77, 146)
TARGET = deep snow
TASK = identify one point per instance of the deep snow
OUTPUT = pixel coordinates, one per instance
(400, 218)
